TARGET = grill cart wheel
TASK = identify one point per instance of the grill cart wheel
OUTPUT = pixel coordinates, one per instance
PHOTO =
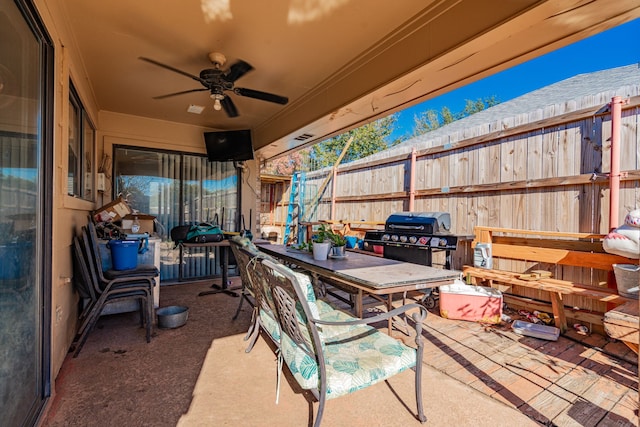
(430, 299)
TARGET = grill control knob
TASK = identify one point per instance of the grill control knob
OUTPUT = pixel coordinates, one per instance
(413, 239)
(403, 239)
(385, 237)
(443, 242)
(394, 238)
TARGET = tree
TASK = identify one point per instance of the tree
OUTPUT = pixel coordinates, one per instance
(368, 139)
(472, 107)
(430, 120)
(287, 165)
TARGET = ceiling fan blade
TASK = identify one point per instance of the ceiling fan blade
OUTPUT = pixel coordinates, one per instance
(175, 70)
(229, 107)
(237, 70)
(179, 93)
(265, 96)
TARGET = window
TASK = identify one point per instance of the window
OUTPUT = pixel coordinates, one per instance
(179, 188)
(80, 175)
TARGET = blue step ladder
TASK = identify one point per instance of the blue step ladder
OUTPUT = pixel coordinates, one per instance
(295, 212)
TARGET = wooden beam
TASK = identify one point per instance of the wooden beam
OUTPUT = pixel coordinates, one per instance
(541, 232)
(557, 307)
(583, 316)
(330, 175)
(584, 179)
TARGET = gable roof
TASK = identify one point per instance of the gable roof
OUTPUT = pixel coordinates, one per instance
(578, 92)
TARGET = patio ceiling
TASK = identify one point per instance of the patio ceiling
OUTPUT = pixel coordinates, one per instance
(341, 63)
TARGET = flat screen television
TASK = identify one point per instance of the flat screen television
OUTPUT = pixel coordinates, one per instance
(229, 145)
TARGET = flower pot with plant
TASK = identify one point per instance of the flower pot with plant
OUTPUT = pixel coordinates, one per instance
(321, 244)
(338, 242)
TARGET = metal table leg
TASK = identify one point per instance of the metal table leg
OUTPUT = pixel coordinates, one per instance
(224, 288)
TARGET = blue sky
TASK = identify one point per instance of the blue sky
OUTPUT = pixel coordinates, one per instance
(613, 48)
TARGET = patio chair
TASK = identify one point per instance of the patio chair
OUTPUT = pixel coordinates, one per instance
(243, 260)
(247, 255)
(256, 287)
(121, 289)
(146, 272)
(106, 275)
(333, 354)
(82, 284)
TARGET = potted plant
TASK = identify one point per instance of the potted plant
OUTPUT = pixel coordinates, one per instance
(321, 244)
(339, 243)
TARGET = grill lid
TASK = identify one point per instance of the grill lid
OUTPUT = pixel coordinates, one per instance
(420, 222)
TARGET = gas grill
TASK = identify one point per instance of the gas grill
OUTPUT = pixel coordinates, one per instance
(414, 236)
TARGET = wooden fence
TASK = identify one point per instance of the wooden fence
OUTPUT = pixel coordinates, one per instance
(547, 170)
(535, 172)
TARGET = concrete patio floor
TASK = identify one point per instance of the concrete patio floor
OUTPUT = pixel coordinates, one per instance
(199, 375)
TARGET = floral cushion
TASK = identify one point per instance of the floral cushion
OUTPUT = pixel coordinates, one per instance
(354, 361)
(269, 323)
(356, 356)
(249, 246)
(326, 312)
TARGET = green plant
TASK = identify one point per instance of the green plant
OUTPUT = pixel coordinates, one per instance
(337, 239)
(304, 246)
(326, 233)
(322, 235)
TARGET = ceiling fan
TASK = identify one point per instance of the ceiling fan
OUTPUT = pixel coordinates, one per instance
(218, 82)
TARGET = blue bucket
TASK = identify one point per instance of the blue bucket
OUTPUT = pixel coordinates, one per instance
(124, 254)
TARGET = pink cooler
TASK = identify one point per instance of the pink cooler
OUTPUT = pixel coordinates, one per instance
(460, 301)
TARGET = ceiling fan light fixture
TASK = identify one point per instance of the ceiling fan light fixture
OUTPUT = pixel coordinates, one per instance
(218, 82)
(217, 97)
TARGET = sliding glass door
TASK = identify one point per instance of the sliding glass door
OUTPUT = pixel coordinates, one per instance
(26, 76)
(178, 189)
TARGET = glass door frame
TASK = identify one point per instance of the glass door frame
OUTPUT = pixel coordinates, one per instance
(46, 127)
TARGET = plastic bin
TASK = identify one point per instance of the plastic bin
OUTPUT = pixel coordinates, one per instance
(627, 279)
(482, 256)
(535, 330)
(124, 254)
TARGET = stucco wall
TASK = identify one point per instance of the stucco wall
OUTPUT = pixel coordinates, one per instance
(70, 214)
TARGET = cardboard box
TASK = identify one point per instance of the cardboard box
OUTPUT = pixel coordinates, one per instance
(146, 222)
(113, 211)
(466, 302)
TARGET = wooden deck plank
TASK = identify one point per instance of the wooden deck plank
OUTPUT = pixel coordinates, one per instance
(622, 323)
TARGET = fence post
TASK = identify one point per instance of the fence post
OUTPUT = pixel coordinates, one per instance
(412, 180)
(614, 174)
(333, 193)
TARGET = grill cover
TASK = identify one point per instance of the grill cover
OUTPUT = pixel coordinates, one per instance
(419, 222)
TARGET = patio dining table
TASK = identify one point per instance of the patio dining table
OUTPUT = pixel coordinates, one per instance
(367, 274)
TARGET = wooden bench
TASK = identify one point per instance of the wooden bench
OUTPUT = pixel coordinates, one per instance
(622, 324)
(581, 285)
